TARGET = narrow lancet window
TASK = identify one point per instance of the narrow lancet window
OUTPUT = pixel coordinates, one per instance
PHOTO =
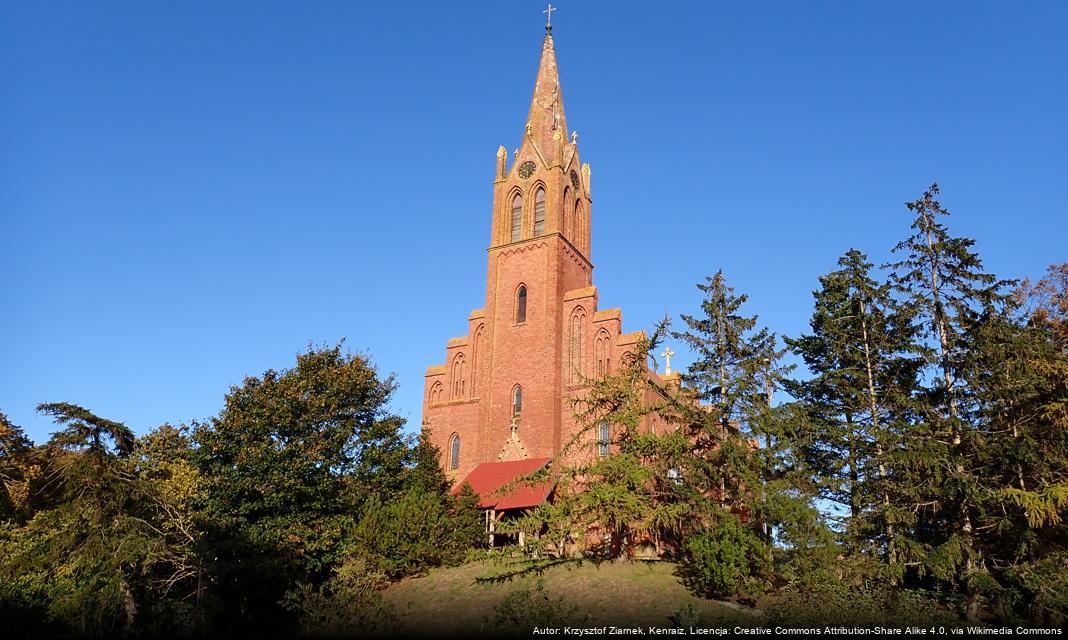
(539, 213)
(517, 217)
(517, 401)
(454, 452)
(521, 305)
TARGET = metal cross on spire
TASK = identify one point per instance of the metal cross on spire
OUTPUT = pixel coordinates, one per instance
(549, 17)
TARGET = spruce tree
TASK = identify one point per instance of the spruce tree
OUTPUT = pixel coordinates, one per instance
(941, 279)
(857, 399)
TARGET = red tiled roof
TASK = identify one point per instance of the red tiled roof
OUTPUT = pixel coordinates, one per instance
(487, 478)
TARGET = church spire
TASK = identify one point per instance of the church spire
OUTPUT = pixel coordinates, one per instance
(546, 126)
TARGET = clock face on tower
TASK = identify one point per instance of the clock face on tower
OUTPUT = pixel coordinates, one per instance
(526, 169)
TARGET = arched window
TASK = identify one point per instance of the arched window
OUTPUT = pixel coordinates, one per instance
(459, 382)
(435, 393)
(539, 212)
(517, 217)
(517, 401)
(576, 346)
(476, 355)
(569, 215)
(600, 353)
(454, 452)
(578, 229)
(604, 438)
(521, 305)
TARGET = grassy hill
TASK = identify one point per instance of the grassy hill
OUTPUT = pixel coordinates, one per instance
(462, 600)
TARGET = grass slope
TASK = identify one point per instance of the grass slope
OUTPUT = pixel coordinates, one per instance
(460, 600)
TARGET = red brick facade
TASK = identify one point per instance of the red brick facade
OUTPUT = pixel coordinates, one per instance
(540, 246)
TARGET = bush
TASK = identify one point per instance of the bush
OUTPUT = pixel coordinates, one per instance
(522, 610)
(835, 603)
(417, 531)
(348, 603)
(727, 561)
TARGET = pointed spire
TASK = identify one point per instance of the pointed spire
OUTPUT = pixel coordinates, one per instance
(545, 125)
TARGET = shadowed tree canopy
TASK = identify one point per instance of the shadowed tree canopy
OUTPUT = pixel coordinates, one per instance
(87, 432)
(294, 454)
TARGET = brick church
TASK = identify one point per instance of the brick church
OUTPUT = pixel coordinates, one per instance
(498, 407)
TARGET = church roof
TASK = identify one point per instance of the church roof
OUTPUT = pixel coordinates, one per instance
(489, 477)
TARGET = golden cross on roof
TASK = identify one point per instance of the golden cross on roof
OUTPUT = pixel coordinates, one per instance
(549, 17)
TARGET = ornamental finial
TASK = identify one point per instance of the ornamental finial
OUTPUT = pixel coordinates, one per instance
(549, 18)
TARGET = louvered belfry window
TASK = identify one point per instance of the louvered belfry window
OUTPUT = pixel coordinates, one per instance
(517, 217)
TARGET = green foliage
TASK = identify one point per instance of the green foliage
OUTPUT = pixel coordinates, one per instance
(288, 465)
(523, 609)
(418, 530)
(1041, 587)
(20, 472)
(838, 604)
(858, 400)
(87, 562)
(688, 616)
(349, 603)
(725, 561)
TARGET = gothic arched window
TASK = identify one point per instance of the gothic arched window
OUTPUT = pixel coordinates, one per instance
(539, 212)
(604, 438)
(517, 401)
(577, 346)
(600, 353)
(476, 355)
(435, 393)
(517, 217)
(454, 452)
(569, 216)
(521, 304)
(580, 226)
(459, 382)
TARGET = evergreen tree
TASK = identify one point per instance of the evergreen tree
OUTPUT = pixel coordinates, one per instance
(17, 470)
(941, 280)
(85, 553)
(729, 359)
(858, 400)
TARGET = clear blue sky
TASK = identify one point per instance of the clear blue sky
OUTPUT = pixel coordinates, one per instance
(191, 192)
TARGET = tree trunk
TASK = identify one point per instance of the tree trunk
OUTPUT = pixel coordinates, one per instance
(966, 530)
(129, 605)
(875, 428)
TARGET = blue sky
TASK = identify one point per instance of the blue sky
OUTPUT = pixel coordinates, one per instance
(192, 192)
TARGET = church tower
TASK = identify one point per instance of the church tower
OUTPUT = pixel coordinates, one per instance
(502, 394)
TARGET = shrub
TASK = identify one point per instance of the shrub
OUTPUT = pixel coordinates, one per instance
(348, 603)
(835, 603)
(522, 610)
(727, 561)
(417, 531)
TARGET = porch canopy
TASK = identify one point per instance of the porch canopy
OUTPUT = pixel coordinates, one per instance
(488, 478)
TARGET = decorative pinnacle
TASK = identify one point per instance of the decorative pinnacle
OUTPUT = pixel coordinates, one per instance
(549, 18)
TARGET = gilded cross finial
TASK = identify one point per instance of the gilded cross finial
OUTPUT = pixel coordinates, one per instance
(667, 356)
(549, 17)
